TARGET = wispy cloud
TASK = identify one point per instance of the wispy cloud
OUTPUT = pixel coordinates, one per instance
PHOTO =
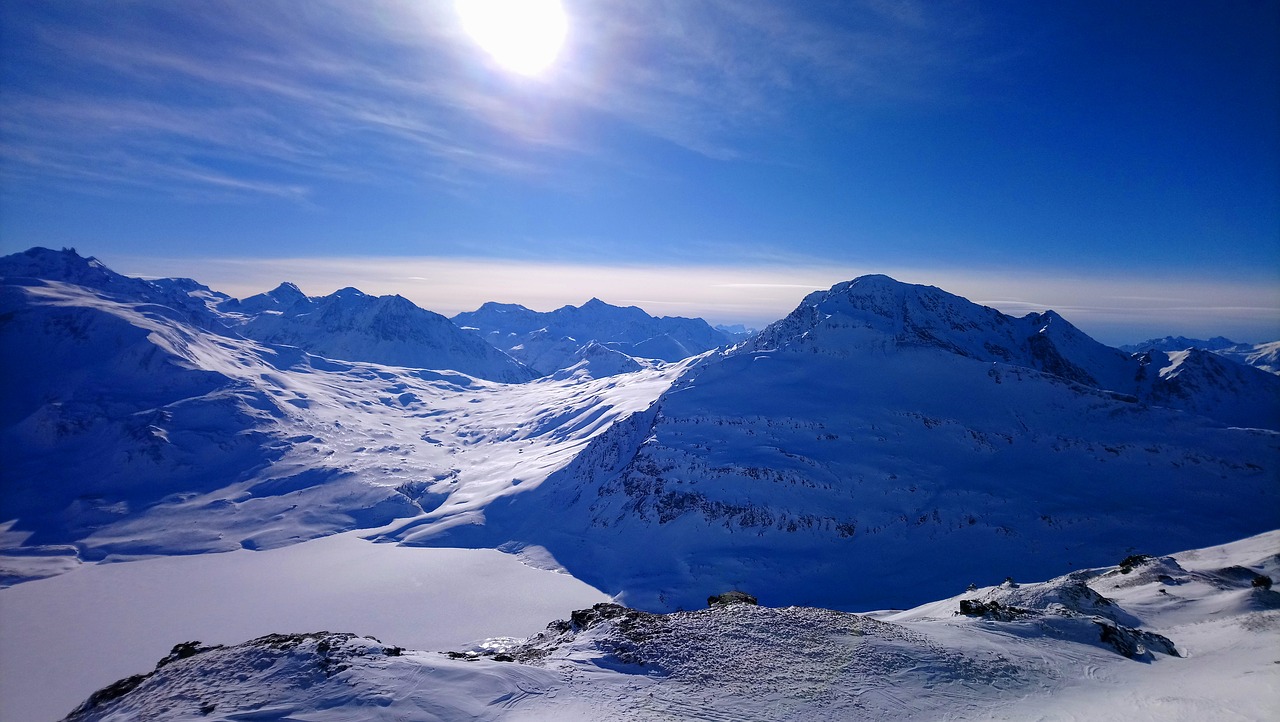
(1114, 309)
(272, 97)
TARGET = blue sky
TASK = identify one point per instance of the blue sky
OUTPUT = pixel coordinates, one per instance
(1118, 161)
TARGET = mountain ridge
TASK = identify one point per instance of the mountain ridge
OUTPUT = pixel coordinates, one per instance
(551, 341)
(1265, 356)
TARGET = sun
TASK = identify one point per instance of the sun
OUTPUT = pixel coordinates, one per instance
(523, 36)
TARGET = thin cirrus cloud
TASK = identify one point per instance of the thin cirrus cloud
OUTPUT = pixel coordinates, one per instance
(1111, 308)
(271, 97)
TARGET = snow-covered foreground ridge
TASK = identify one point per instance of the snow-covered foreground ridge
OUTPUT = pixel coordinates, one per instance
(881, 431)
(1189, 636)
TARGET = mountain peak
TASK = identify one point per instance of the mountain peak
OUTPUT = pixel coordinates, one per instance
(64, 265)
(287, 293)
(496, 307)
(872, 280)
(879, 314)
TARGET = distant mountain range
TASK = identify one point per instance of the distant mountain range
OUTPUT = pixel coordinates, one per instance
(879, 429)
(554, 340)
(353, 326)
(1265, 356)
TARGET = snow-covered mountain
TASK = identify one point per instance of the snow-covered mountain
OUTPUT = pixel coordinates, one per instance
(735, 332)
(878, 313)
(882, 425)
(135, 419)
(354, 326)
(1265, 356)
(875, 428)
(1183, 637)
(1179, 343)
(550, 341)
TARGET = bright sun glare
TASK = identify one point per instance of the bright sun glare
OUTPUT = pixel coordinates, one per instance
(523, 36)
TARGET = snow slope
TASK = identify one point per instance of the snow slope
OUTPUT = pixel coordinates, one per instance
(1185, 637)
(64, 637)
(550, 341)
(131, 429)
(1265, 356)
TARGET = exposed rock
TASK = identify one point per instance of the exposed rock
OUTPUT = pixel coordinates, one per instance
(297, 660)
(733, 597)
(1135, 643)
(992, 610)
(1132, 562)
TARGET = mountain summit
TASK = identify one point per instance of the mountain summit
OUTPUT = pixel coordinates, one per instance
(876, 314)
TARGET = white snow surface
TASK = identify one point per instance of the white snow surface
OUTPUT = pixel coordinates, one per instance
(64, 637)
(1265, 356)
(1048, 661)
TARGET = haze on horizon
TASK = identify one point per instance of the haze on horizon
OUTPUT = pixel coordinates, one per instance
(1117, 162)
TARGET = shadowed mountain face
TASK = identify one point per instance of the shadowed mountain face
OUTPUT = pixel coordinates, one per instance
(883, 426)
(551, 341)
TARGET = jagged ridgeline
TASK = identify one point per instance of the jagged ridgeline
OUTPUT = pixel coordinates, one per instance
(548, 342)
(883, 443)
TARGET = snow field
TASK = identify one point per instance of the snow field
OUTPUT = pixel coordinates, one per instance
(64, 637)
